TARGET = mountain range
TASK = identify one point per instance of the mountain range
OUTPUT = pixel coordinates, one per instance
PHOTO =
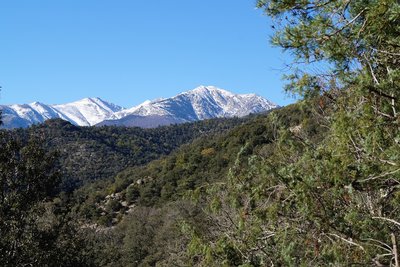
(203, 102)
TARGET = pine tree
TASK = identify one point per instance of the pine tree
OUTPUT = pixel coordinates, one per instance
(329, 198)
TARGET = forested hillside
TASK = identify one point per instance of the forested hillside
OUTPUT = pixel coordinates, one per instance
(149, 205)
(42, 166)
(315, 183)
(324, 191)
(98, 153)
(334, 202)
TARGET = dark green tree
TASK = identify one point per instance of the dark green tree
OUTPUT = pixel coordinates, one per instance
(341, 41)
(330, 199)
(33, 230)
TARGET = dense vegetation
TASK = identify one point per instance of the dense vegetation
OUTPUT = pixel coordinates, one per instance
(205, 159)
(150, 206)
(312, 184)
(98, 153)
(40, 166)
(334, 201)
(35, 227)
(306, 195)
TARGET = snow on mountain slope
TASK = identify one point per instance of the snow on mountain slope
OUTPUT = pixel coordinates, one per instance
(204, 102)
(201, 103)
(85, 112)
(88, 111)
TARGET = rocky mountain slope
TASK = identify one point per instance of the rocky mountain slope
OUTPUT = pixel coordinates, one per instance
(204, 102)
(85, 112)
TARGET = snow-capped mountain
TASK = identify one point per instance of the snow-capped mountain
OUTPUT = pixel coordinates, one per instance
(85, 112)
(204, 102)
(88, 111)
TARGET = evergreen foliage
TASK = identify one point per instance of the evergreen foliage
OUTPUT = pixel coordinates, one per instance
(205, 160)
(99, 153)
(33, 229)
(321, 201)
(312, 184)
(157, 195)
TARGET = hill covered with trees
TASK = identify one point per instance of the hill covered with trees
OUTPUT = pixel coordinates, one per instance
(311, 184)
(98, 153)
(334, 201)
(146, 206)
(323, 191)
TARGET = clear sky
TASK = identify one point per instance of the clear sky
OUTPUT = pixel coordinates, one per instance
(128, 51)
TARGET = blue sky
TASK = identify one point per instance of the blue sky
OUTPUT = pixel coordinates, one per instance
(128, 51)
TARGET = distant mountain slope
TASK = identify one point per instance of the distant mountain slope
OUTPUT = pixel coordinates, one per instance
(85, 112)
(204, 102)
(88, 111)
(150, 121)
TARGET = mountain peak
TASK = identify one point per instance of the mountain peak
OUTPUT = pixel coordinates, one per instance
(91, 100)
(208, 89)
(36, 103)
(202, 102)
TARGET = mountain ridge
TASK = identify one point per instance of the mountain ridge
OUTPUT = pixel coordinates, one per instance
(84, 112)
(203, 102)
